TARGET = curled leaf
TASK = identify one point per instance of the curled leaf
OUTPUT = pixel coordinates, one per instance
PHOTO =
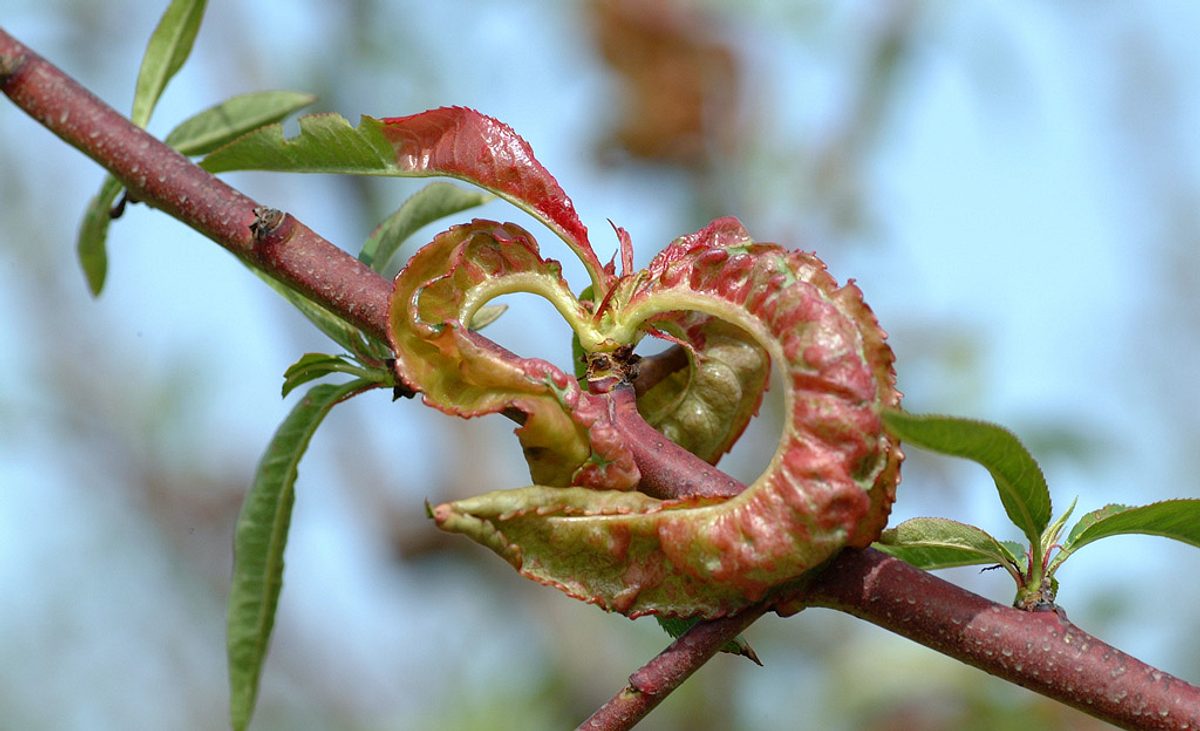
(465, 144)
(830, 484)
(443, 286)
(705, 407)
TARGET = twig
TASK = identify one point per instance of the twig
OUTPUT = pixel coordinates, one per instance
(655, 680)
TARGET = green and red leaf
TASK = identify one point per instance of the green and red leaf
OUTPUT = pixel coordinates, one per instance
(479, 149)
(830, 484)
(451, 141)
(441, 288)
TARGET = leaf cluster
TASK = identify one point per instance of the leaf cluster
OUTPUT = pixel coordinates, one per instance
(937, 543)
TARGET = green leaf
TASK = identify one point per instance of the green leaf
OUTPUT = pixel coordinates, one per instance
(939, 543)
(93, 235)
(486, 315)
(1054, 530)
(205, 131)
(326, 144)
(312, 366)
(1017, 475)
(1177, 519)
(451, 141)
(168, 48)
(259, 542)
(334, 327)
(433, 202)
(676, 626)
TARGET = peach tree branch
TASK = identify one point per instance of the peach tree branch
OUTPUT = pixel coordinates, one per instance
(1038, 650)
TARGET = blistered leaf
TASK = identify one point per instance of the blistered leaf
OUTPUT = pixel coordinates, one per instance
(91, 246)
(169, 47)
(451, 141)
(443, 286)
(939, 543)
(1176, 519)
(705, 407)
(206, 131)
(830, 484)
(1018, 477)
(259, 541)
(431, 203)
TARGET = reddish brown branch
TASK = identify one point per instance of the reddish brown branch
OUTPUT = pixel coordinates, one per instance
(160, 177)
(655, 680)
(1040, 651)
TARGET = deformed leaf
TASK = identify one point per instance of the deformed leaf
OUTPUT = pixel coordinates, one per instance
(259, 541)
(169, 46)
(206, 131)
(1018, 477)
(939, 543)
(474, 147)
(443, 286)
(433, 202)
(451, 141)
(1177, 519)
(91, 245)
(830, 484)
(705, 408)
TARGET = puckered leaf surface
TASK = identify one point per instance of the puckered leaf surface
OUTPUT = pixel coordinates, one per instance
(830, 484)
(441, 288)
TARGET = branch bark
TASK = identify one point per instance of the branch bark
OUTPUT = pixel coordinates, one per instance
(1041, 651)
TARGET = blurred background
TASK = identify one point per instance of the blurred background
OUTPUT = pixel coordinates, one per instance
(1014, 185)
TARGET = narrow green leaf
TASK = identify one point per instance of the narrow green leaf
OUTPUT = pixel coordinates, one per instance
(259, 542)
(939, 543)
(334, 327)
(168, 48)
(205, 131)
(433, 202)
(1017, 475)
(1177, 519)
(312, 366)
(93, 235)
(1054, 530)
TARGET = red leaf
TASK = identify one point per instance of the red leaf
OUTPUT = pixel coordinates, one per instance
(474, 147)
